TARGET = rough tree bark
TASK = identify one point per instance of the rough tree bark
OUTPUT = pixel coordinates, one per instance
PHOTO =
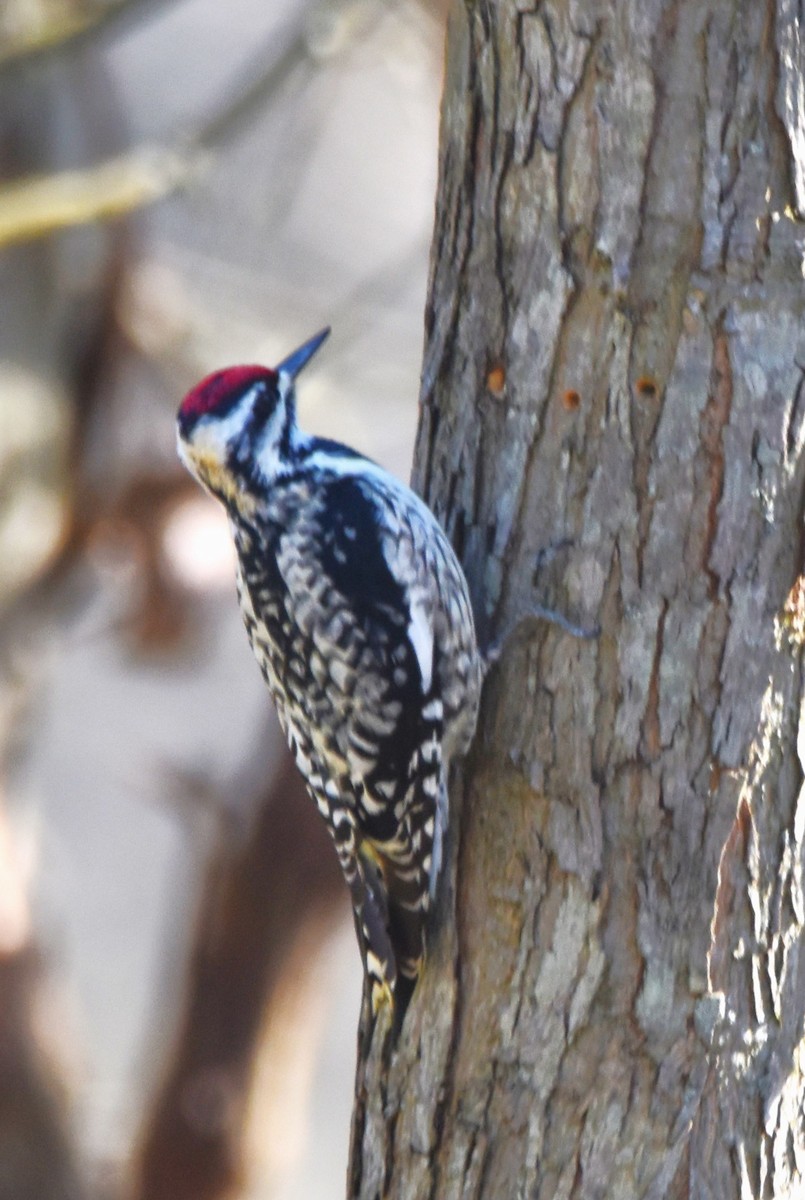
(613, 420)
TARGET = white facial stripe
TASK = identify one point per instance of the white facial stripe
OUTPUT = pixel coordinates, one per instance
(211, 435)
(183, 452)
(267, 448)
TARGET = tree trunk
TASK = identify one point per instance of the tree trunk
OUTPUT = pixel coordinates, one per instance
(613, 421)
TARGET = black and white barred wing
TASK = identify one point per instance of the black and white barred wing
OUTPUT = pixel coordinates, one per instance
(356, 569)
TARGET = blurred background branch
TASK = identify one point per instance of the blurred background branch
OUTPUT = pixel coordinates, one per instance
(32, 29)
(32, 208)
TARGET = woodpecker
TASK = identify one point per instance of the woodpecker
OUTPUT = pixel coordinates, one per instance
(359, 615)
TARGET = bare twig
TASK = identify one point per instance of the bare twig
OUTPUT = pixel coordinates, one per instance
(37, 206)
(67, 31)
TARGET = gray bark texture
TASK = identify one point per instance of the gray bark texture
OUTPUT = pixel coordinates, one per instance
(613, 423)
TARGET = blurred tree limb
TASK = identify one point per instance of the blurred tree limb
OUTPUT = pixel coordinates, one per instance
(57, 27)
(37, 206)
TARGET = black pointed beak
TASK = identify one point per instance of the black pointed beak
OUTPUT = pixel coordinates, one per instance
(294, 363)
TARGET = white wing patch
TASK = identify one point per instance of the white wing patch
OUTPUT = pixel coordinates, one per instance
(420, 635)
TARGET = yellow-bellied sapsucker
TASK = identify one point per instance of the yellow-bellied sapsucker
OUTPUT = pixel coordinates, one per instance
(359, 615)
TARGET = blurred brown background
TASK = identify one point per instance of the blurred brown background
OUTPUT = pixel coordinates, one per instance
(185, 184)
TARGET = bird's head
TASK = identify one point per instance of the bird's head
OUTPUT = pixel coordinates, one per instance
(236, 430)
